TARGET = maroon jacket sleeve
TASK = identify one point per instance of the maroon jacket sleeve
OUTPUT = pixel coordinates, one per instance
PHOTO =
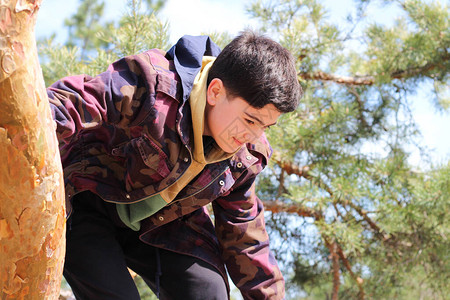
(241, 231)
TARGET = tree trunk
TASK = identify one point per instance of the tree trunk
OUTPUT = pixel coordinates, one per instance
(32, 214)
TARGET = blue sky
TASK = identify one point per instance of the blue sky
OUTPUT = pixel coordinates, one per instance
(196, 16)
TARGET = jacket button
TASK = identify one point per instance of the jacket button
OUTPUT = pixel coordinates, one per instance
(127, 196)
(186, 159)
(249, 157)
(161, 218)
(221, 182)
(239, 165)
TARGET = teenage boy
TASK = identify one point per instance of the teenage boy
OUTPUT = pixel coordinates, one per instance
(151, 141)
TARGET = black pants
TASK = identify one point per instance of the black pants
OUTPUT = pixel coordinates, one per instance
(99, 252)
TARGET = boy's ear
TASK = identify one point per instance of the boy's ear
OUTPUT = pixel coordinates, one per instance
(214, 91)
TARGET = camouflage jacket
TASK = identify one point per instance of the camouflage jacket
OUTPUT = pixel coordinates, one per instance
(125, 135)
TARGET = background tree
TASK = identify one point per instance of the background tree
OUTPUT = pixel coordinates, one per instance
(84, 27)
(350, 216)
(354, 218)
(91, 51)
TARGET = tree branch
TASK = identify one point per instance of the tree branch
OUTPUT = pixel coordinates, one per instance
(281, 188)
(291, 169)
(279, 207)
(359, 280)
(370, 80)
(336, 270)
(322, 76)
(369, 221)
(360, 107)
(336, 251)
(419, 70)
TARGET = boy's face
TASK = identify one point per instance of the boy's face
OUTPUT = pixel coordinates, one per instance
(231, 121)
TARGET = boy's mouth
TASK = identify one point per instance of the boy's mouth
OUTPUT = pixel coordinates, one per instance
(238, 142)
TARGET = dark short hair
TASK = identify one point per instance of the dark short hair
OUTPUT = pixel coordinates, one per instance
(260, 71)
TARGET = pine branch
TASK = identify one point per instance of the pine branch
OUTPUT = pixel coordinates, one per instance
(369, 221)
(336, 251)
(359, 280)
(322, 76)
(292, 169)
(360, 107)
(277, 206)
(420, 70)
(336, 270)
(370, 80)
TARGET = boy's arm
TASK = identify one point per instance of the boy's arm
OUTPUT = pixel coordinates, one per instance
(115, 96)
(240, 228)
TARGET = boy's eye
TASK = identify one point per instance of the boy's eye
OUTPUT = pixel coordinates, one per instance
(250, 122)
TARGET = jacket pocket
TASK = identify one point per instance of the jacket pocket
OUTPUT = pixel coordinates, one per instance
(146, 163)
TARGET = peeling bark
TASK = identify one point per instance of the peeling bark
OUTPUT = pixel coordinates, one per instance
(32, 214)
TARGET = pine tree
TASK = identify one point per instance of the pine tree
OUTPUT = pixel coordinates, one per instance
(138, 30)
(353, 217)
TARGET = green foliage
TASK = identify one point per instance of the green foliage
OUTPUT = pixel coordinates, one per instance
(84, 25)
(91, 51)
(137, 31)
(343, 156)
